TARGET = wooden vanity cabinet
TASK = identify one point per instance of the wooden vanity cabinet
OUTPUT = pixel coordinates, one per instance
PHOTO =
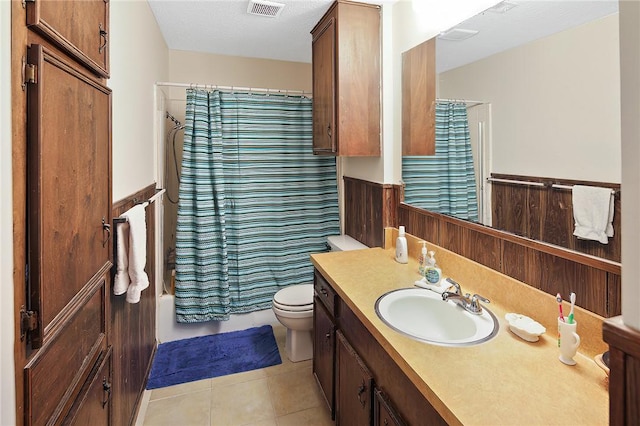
(324, 340)
(362, 364)
(346, 48)
(354, 383)
(419, 99)
(383, 413)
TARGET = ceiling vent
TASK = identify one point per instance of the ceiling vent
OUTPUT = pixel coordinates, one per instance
(457, 34)
(502, 7)
(270, 9)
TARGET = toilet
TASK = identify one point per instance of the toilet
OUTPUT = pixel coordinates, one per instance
(293, 307)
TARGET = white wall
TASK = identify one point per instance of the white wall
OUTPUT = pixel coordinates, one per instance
(7, 381)
(630, 82)
(555, 103)
(138, 58)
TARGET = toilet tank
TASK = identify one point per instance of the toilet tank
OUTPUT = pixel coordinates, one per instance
(344, 243)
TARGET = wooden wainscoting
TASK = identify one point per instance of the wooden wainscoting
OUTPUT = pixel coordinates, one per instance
(369, 208)
(548, 268)
(133, 326)
(545, 213)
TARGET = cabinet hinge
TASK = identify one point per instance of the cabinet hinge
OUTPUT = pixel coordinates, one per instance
(24, 3)
(30, 71)
(28, 322)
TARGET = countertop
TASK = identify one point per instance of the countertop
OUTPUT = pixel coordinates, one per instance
(505, 381)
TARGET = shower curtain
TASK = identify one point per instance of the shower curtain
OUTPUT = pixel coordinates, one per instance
(446, 182)
(254, 202)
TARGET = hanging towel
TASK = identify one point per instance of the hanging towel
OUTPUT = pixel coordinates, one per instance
(593, 213)
(121, 281)
(135, 252)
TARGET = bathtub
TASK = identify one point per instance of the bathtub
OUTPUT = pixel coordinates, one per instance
(167, 329)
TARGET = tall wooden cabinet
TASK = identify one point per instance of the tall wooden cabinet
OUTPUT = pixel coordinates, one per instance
(62, 211)
(346, 80)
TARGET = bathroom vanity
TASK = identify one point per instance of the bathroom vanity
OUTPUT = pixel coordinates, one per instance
(371, 374)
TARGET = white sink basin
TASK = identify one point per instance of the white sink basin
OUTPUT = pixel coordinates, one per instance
(423, 315)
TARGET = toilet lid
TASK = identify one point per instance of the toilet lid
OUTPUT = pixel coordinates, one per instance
(295, 297)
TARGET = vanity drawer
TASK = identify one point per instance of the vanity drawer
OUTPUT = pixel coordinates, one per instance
(324, 292)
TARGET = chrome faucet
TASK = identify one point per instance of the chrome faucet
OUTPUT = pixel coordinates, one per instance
(467, 302)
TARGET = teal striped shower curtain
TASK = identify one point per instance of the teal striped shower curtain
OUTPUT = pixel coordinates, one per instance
(254, 202)
(445, 182)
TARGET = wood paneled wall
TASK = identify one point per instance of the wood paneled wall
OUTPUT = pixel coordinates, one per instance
(369, 208)
(546, 214)
(133, 326)
(596, 282)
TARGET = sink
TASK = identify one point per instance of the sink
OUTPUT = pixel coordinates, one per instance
(423, 315)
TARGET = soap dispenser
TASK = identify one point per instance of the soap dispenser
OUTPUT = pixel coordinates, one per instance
(432, 273)
(401, 247)
(422, 260)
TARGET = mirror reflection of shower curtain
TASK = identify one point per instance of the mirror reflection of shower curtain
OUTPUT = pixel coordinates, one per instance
(445, 182)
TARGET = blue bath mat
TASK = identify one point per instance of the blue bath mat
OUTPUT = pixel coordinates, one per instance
(216, 355)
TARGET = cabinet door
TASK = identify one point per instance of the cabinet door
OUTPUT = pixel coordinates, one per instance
(324, 342)
(324, 99)
(353, 388)
(69, 184)
(383, 413)
(92, 407)
(80, 27)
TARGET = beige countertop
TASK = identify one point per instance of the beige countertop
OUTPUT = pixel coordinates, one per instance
(505, 381)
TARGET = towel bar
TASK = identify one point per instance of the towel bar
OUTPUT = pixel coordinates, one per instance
(517, 182)
(560, 186)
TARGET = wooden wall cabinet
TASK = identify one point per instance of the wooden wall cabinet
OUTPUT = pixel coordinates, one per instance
(62, 165)
(80, 27)
(346, 80)
(419, 99)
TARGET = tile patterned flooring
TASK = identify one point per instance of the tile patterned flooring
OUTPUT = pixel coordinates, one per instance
(281, 395)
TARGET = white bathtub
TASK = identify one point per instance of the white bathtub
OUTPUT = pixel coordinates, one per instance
(167, 329)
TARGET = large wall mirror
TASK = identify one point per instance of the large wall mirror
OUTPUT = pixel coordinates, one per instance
(540, 81)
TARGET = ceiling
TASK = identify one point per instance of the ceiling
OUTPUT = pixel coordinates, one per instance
(224, 27)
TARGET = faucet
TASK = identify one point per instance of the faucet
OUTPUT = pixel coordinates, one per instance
(467, 302)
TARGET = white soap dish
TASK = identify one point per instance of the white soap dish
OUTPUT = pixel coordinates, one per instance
(524, 327)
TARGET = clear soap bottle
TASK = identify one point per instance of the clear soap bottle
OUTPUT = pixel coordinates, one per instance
(422, 259)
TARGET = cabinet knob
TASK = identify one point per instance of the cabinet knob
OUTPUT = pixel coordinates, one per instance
(324, 292)
(328, 336)
(329, 131)
(361, 390)
(106, 386)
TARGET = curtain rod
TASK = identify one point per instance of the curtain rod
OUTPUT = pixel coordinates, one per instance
(465, 101)
(232, 88)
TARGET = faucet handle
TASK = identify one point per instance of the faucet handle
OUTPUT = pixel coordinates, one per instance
(475, 306)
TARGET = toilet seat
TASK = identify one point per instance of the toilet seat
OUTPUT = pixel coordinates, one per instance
(295, 298)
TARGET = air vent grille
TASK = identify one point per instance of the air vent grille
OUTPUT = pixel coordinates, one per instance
(265, 8)
(457, 34)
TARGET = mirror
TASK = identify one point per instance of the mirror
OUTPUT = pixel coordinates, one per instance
(541, 82)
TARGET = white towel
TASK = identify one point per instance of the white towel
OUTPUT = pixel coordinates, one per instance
(593, 213)
(121, 281)
(135, 252)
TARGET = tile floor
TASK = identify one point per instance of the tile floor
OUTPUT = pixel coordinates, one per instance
(281, 395)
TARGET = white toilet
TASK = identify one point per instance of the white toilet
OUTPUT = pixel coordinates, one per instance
(293, 307)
